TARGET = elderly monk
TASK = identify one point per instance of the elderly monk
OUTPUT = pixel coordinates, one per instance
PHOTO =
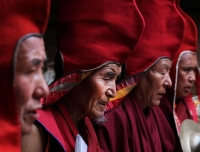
(94, 38)
(21, 26)
(134, 121)
(182, 100)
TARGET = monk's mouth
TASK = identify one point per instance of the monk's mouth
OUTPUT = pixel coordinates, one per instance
(188, 89)
(160, 95)
(32, 115)
(103, 103)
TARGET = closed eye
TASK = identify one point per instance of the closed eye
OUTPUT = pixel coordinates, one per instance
(30, 71)
(110, 75)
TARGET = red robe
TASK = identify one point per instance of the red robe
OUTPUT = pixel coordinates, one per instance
(131, 129)
(57, 121)
(182, 110)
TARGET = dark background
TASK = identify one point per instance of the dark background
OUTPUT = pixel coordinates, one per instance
(192, 8)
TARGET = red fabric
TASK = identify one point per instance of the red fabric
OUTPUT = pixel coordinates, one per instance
(18, 18)
(182, 111)
(62, 128)
(69, 80)
(166, 107)
(162, 35)
(131, 129)
(92, 32)
(127, 82)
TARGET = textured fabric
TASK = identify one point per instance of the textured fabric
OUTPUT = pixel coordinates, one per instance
(162, 35)
(123, 88)
(131, 129)
(63, 130)
(92, 32)
(18, 18)
(167, 109)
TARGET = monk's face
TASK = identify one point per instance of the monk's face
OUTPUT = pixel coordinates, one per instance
(29, 83)
(153, 85)
(187, 69)
(92, 95)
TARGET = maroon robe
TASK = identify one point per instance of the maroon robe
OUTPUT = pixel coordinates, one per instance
(58, 123)
(131, 129)
(182, 112)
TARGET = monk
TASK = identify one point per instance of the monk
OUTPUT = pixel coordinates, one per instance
(182, 100)
(94, 39)
(21, 32)
(134, 121)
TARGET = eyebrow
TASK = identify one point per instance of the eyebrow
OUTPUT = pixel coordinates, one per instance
(166, 67)
(36, 62)
(191, 67)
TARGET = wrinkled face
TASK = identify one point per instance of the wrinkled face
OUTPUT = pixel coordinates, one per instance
(153, 85)
(29, 83)
(92, 95)
(187, 69)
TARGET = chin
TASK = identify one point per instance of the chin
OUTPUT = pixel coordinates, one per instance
(97, 114)
(183, 95)
(155, 103)
(101, 119)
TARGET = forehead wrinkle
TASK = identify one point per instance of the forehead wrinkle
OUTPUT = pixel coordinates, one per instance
(113, 67)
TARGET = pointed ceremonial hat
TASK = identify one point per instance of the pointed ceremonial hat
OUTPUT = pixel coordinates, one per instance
(162, 36)
(93, 32)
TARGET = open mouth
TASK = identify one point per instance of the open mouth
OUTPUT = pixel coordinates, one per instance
(103, 103)
(160, 95)
(33, 115)
(188, 89)
(32, 112)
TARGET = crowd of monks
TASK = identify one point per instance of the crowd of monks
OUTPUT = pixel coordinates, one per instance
(127, 76)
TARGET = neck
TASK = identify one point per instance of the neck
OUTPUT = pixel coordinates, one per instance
(73, 109)
(140, 96)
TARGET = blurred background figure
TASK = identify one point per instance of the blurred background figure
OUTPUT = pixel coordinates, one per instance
(29, 83)
(22, 23)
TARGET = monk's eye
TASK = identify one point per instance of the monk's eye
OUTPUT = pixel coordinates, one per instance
(109, 75)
